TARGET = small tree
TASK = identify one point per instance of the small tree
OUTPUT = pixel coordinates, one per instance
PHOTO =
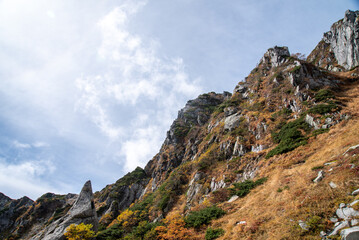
(79, 232)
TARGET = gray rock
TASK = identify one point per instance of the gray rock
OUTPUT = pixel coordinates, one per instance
(83, 211)
(333, 185)
(351, 148)
(233, 198)
(334, 219)
(343, 38)
(338, 227)
(239, 149)
(347, 213)
(319, 177)
(232, 122)
(350, 233)
(310, 120)
(258, 148)
(303, 225)
(276, 56)
(353, 203)
(355, 192)
(354, 222)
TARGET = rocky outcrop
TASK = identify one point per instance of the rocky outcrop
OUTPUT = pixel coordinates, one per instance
(275, 56)
(83, 211)
(11, 211)
(339, 49)
(343, 38)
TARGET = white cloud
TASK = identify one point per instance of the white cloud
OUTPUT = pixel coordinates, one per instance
(39, 144)
(18, 144)
(25, 178)
(50, 14)
(153, 88)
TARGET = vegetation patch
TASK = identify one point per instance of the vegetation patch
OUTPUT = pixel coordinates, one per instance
(214, 233)
(319, 131)
(323, 95)
(289, 137)
(204, 216)
(136, 176)
(323, 108)
(243, 188)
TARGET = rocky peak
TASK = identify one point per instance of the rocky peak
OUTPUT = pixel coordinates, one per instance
(196, 113)
(275, 56)
(340, 46)
(83, 211)
(343, 38)
(4, 200)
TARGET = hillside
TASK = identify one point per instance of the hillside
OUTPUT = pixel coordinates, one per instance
(276, 159)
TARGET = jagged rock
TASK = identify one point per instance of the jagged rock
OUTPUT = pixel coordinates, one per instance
(258, 148)
(350, 233)
(233, 198)
(217, 185)
(231, 122)
(310, 120)
(194, 187)
(346, 212)
(239, 149)
(83, 211)
(351, 148)
(339, 226)
(276, 56)
(354, 203)
(319, 177)
(303, 225)
(343, 38)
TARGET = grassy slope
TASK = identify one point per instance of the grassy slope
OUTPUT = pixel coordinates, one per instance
(271, 214)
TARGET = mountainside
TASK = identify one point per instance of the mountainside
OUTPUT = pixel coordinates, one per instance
(276, 159)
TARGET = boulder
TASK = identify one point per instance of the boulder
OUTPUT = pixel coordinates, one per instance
(319, 177)
(231, 122)
(350, 233)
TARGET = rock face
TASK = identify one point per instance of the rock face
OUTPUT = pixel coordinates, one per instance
(350, 233)
(343, 38)
(83, 211)
(340, 46)
(276, 56)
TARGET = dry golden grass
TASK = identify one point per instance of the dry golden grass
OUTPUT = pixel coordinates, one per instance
(273, 214)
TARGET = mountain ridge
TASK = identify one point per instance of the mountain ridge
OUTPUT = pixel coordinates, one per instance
(220, 141)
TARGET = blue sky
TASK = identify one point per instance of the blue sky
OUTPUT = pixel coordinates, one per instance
(89, 88)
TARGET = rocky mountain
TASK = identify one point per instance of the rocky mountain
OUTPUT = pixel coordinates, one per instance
(276, 159)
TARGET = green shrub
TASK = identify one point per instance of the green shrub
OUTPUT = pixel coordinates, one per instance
(204, 216)
(243, 188)
(113, 232)
(181, 130)
(315, 224)
(323, 108)
(317, 167)
(319, 131)
(324, 95)
(289, 137)
(135, 176)
(213, 233)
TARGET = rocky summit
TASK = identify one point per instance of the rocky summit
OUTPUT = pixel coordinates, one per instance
(278, 158)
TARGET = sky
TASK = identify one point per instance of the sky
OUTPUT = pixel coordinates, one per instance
(89, 88)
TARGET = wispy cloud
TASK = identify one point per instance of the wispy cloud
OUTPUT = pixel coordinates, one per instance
(145, 89)
(25, 178)
(18, 144)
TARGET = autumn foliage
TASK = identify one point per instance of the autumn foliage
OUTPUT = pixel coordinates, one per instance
(175, 229)
(79, 232)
